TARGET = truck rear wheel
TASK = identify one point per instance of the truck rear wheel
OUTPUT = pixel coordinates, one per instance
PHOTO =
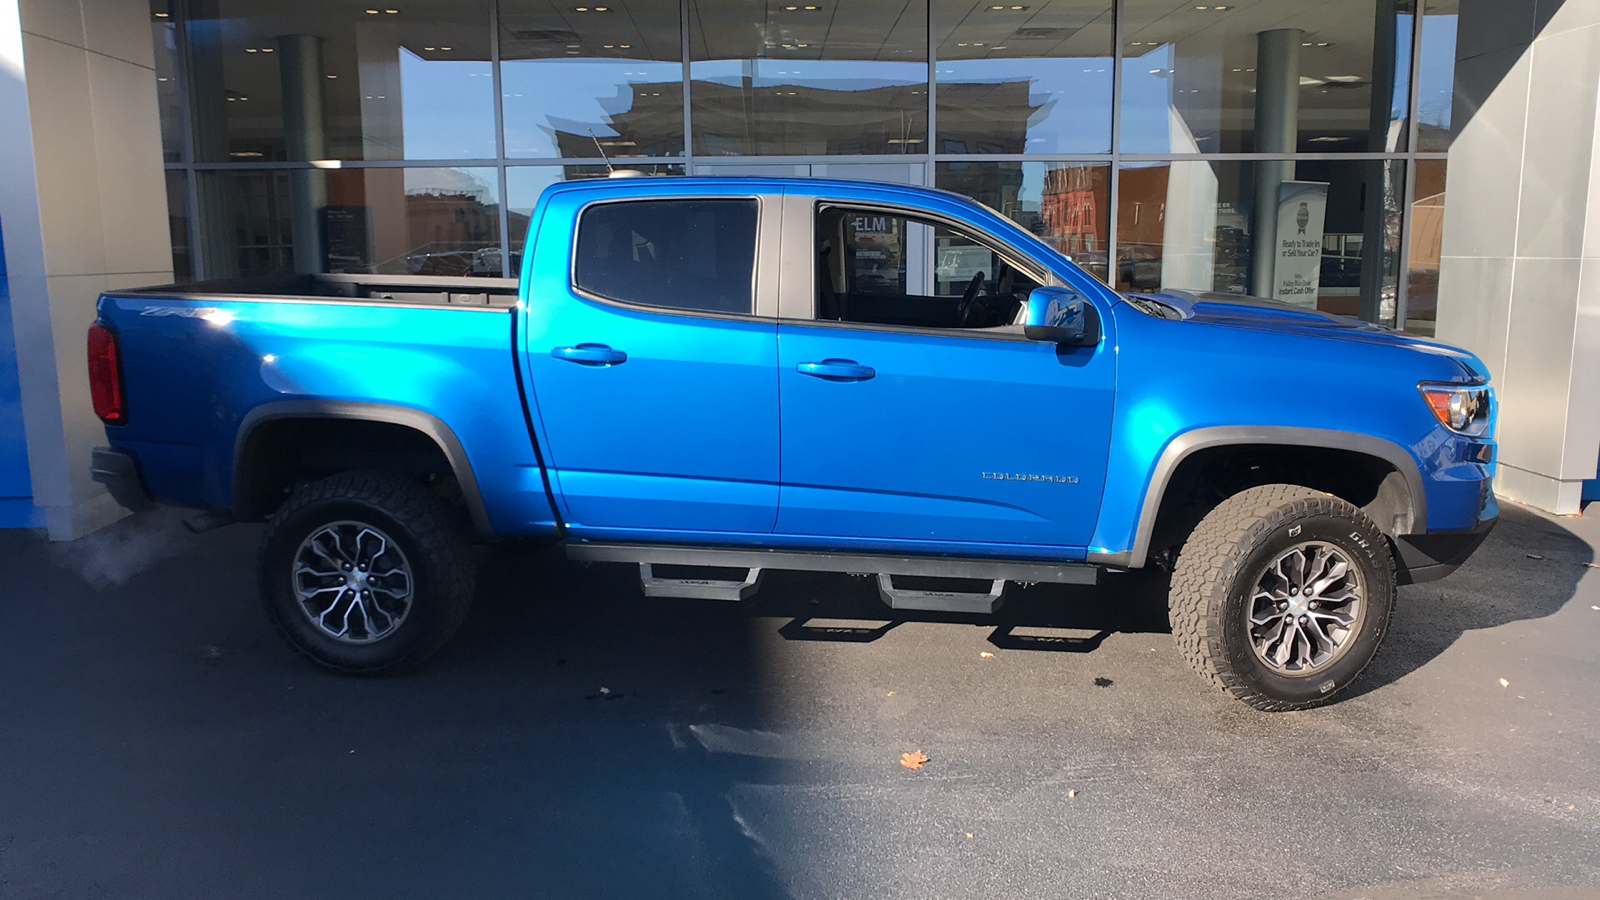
(366, 572)
(1282, 595)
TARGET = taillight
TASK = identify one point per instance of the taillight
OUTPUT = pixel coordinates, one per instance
(105, 376)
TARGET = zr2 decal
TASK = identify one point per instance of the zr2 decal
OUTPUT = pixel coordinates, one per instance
(186, 312)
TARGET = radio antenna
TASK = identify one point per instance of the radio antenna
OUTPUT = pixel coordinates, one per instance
(610, 170)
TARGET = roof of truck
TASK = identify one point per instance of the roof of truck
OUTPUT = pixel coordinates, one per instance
(626, 184)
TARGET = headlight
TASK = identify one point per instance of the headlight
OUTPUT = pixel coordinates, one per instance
(1464, 410)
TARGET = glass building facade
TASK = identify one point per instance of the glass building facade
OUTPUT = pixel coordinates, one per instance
(1160, 144)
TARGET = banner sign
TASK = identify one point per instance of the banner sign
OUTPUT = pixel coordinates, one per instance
(1297, 276)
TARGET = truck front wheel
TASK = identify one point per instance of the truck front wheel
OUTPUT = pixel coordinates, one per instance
(366, 572)
(1282, 595)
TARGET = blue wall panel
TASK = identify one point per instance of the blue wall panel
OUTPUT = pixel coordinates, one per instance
(16, 503)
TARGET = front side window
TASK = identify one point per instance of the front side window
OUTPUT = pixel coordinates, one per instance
(681, 254)
(878, 268)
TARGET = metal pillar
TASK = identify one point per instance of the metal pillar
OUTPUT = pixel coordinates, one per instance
(217, 254)
(1384, 135)
(301, 71)
(1277, 130)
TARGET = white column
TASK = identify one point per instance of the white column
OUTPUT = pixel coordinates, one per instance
(1519, 282)
(84, 203)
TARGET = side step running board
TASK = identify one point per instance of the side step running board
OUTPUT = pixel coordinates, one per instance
(941, 601)
(698, 588)
(754, 562)
(977, 568)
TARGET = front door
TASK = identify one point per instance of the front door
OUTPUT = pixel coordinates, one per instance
(928, 419)
(650, 369)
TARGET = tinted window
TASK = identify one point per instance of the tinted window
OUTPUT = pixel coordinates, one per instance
(685, 254)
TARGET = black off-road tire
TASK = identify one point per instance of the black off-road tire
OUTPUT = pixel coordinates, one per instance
(433, 537)
(1219, 567)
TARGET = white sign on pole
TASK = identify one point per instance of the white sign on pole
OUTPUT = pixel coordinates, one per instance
(1302, 208)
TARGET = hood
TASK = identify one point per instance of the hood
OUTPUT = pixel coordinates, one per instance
(1277, 317)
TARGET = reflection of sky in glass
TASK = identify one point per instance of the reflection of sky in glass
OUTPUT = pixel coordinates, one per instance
(1402, 76)
(1031, 198)
(1145, 98)
(524, 184)
(573, 95)
(1435, 86)
(1071, 99)
(447, 108)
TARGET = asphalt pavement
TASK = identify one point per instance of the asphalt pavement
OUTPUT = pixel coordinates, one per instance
(158, 740)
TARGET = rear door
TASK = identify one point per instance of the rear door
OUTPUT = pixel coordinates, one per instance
(652, 350)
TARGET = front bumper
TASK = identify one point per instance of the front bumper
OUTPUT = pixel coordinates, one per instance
(120, 474)
(1429, 557)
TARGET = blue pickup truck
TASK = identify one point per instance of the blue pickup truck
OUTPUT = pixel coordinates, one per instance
(710, 378)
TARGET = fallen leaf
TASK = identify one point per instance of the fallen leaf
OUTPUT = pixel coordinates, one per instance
(1072, 793)
(914, 760)
(986, 654)
(1505, 683)
(1102, 681)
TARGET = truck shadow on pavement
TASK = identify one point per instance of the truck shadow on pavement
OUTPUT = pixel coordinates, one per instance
(1527, 569)
(575, 740)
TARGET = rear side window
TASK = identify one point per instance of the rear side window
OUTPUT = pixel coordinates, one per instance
(681, 254)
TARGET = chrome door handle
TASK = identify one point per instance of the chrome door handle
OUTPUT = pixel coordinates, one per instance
(590, 355)
(836, 370)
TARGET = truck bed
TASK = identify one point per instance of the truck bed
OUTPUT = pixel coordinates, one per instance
(411, 290)
(207, 363)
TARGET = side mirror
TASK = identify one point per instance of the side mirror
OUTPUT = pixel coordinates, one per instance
(1056, 315)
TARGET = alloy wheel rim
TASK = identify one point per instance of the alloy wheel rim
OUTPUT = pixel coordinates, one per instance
(352, 582)
(1306, 609)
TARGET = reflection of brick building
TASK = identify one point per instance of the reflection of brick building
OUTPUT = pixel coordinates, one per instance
(1070, 213)
(1071, 208)
(451, 217)
(1142, 204)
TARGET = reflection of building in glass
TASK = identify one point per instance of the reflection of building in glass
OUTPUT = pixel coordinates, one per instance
(801, 119)
(985, 118)
(1427, 246)
(449, 232)
(1066, 205)
(650, 125)
(1070, 209)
